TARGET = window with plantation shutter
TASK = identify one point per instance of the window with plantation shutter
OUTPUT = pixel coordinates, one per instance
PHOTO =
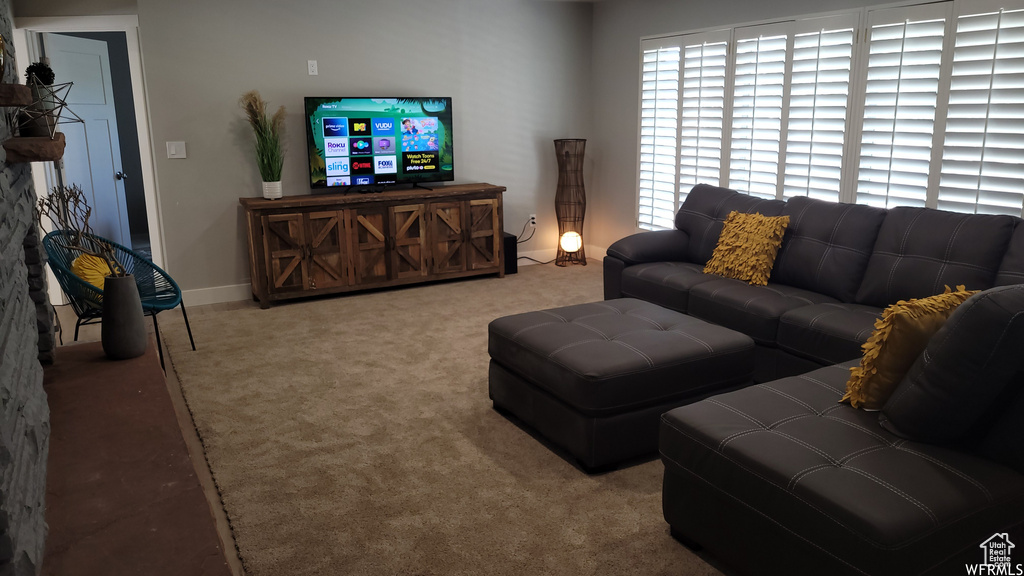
(758, 94)
(818, 99)
(983, 155)
(912, 105)
(659, 120)
(901, 92)
(701, 109)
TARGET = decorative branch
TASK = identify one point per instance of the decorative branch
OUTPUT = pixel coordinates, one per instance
(66, 209)
(269, 131)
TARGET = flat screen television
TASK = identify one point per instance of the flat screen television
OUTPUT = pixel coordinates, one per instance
(370, 143)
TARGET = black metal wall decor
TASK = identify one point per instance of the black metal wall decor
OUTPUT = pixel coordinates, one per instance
(570, 201)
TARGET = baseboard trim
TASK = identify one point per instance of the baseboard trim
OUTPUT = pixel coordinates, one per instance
(217, 294)
(236, 292)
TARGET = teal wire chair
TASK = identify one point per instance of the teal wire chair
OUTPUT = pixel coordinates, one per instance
(157, 290)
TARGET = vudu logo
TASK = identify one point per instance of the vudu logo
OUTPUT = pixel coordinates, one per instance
(382, 126)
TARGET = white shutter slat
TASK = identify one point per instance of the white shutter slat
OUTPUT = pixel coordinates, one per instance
(981, 167)
(659, 116)
(817, 113)
(757, 114)
(900, 105)
(702, 105)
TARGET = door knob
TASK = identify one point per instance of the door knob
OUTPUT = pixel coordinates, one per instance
(121, 176)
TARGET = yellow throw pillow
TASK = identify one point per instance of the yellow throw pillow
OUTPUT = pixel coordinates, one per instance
(900, 335)
(747, 247)
(92, 269)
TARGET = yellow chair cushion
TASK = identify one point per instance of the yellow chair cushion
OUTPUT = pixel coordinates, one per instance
(747, 247)
(92, 269)
(900, 336)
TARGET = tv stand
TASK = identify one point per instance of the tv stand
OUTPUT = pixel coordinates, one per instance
(418, 185)
(313, 245)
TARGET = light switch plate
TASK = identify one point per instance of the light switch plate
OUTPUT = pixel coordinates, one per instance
(176, 150)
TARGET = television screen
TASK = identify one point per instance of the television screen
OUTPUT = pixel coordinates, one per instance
(378, 141)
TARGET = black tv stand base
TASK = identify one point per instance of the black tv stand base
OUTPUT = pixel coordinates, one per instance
(418, 185)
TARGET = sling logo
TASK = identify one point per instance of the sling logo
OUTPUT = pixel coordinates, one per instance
(383, 126)
(996, 559)
(338, 168)
(386, 164)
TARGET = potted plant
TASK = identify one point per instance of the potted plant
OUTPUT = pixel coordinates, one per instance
(123, 331)
(39, 119)
(268, 131)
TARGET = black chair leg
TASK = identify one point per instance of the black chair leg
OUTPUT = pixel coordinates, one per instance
(187, 327)
(159, 348)
(77, 326)
(59, 328)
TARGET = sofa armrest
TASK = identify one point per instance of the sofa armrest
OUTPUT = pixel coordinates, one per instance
(655, 246)
(613, 268)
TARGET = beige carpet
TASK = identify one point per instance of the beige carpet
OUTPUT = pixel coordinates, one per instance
(354, 435)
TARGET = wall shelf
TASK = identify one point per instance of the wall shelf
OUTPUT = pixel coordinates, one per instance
(35, 149)
(15, 95)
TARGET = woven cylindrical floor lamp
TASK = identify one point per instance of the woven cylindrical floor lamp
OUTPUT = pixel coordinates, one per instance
(570, 201)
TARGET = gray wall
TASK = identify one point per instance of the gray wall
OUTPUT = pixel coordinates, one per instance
(518, 72)
(24, 415)
(618, 27)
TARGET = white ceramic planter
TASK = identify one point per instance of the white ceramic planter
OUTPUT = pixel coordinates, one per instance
(272, 190)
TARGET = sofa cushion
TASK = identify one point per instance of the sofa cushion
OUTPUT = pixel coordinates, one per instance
(752, 310)
(832, 477)
(1003, 442)
(666, 284)
(747, 247)
(900, 336)
(704, 210)
(1011, 270)
(965, 367)
(827, 246)
(919, 250)
(827, 333)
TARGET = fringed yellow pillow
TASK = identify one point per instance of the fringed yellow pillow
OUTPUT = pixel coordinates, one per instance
(92, 269)
(747, 247)
(900, 335)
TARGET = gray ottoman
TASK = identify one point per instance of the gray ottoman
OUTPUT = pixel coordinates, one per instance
(595, 378)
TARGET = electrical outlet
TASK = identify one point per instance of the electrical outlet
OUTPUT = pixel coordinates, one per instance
(533, 220)
(311, 67)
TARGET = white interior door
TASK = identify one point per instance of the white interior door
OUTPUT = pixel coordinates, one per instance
(92, 158)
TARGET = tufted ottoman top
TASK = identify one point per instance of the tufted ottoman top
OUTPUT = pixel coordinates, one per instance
(617, 355)
(832, 472)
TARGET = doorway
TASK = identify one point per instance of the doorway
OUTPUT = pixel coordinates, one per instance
(110, 155)
(102, 153)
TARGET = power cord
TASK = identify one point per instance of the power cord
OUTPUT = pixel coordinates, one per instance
(534, 260)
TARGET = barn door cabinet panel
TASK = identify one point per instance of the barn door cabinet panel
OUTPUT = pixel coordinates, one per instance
(331, 243)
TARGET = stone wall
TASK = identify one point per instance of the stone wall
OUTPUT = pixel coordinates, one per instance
(24, 313)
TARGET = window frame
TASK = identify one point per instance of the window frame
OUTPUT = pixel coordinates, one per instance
(862, 20)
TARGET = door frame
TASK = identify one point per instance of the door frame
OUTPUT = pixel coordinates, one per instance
(25, 42)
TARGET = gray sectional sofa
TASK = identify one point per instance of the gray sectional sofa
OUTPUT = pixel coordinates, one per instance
(780, 477)
(839, 266)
